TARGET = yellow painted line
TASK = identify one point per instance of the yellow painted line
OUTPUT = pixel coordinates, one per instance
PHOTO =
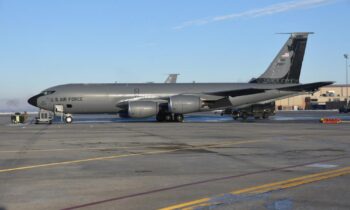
(117, 156)
(233, 143)
(201, 205)
(69, 149)
(266, 188)
(130, 147)
(293, 182)
(85, 160)
(181, 206)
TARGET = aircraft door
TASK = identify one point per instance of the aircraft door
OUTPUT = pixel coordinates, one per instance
(59, 109)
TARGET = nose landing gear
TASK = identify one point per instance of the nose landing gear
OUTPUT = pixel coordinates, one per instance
(68, 118)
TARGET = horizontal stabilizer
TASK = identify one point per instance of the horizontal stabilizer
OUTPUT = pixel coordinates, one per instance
(235, 93)
(310, 87)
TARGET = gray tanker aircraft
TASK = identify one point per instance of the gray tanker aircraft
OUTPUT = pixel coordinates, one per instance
(170, 101)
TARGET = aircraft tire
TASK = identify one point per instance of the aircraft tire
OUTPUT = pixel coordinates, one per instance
(68, 119)
(179, 118)
(265, 115)
(168, 118)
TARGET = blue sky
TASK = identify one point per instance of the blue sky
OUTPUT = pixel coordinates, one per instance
(45, 43)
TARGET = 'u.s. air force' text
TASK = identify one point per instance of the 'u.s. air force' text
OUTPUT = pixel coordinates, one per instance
(66, 99)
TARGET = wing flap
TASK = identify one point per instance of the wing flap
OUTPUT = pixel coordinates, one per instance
(309, 87)
(239, 92)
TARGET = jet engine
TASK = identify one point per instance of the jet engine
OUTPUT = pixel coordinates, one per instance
(140, 109)
(182, 104)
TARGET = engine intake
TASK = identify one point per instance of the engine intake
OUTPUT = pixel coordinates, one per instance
(183, 104)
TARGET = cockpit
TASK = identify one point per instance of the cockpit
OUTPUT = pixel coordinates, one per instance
(48, 92)
(34, 100)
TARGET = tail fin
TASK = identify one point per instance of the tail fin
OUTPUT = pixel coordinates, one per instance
(171, 78)
(286, 66)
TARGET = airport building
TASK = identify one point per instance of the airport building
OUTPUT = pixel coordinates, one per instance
(328, 97)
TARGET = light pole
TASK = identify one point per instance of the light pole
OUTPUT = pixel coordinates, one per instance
(346, 56)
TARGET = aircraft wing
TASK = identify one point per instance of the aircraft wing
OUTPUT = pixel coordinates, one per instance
(309, 87)
(239, 92)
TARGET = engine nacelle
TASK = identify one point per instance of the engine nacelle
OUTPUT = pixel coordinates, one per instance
(140, 109)
(183, 104)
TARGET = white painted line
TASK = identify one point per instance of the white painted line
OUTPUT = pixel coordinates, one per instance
(319, 165)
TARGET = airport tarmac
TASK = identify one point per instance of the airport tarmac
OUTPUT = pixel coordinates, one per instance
(209, 162)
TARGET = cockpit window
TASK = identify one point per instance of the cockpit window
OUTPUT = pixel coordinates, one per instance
(48, 92)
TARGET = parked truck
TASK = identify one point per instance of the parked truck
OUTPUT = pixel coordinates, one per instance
(44, 116)
(345, 108)
(19, 118)
(258, 111)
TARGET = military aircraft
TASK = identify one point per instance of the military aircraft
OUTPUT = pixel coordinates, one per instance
(170, 101)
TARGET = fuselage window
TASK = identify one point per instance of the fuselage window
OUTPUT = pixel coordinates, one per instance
(69, 106)
(48, 92)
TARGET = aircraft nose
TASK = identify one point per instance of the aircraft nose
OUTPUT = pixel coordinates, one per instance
(33, 100)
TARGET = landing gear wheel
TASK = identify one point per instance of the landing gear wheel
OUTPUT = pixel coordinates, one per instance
(168, 118)
(68, 119)
(179, 118)
(265, 115)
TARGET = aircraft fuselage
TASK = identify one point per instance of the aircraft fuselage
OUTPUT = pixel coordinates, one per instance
(103, 98)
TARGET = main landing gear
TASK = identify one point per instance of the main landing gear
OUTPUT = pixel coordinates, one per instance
(168, 117)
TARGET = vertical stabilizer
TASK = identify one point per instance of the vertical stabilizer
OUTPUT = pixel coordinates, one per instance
(286, 66)
(171, 78)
